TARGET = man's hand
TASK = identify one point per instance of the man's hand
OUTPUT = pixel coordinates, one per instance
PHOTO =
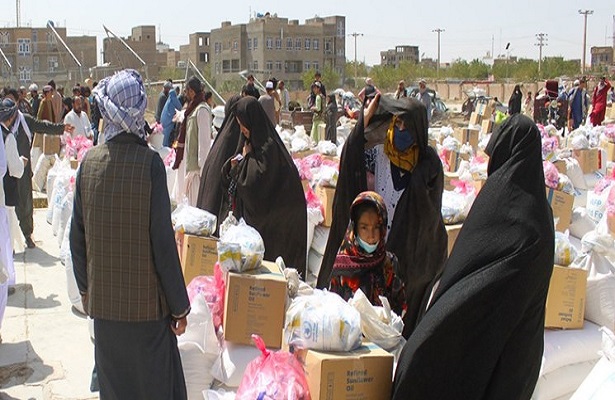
(370, 110)
(84, 303)
(179, 326)
(69, 128)
(24, 160)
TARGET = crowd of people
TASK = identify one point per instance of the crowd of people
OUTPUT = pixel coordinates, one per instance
(387, 236)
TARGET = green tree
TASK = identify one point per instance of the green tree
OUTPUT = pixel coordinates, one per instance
(349, 73)
(171, 73)
(329, 77)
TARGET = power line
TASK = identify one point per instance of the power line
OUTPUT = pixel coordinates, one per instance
(542, 41)
(585, 13)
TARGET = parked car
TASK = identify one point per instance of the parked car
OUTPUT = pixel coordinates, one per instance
(438, 108)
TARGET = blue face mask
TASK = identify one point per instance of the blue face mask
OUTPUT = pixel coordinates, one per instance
(369, 248)
(402, 139)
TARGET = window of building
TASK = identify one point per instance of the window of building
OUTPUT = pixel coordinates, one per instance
(255, 65)
(4, 38)
(278, 43)
(297, 44)
(255, 43)
(269, 43)
(204, 57)
(328, 47)
(306, 65)
(340, 52)
(217, 68)
(25, 74)
(52, 63)
(278, 65)
(249, 43)
(35, 63)
(340, 29)
(316, 44)
(315, 65)
(235, 46)
(200, 41)
(307, 43)
(34, 41)
(289, 43)
(235, 65)
(226, 66)
(23, 47)
(269, 66)
(217, 47)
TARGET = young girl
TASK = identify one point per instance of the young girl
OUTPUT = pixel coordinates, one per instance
(362, 261)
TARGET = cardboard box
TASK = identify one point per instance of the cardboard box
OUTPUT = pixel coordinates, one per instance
(74, 164)
(561, 204)
(306, 185)
(468, 135)
(326, 195)
(199, 255)
(565, 306)
(453, 161)
(362, 374)
(487, 126)
(609, 147)
(590, 160)
(448, 178)
(51, 144)
(478, 184)
(38, 140)
(453, 232)
(302, 154)
(560, 165)
(433, 143)
(254, 303)
(483, 109)
(179, 242)
(476, 119)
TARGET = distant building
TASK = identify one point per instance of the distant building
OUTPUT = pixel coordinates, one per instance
(143, 42)
(429, 63)
(270, 46)
(399, 55)
(602, 57)
(197, 50)
(36, 55)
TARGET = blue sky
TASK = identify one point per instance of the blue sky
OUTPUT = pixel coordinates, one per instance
(469, 25)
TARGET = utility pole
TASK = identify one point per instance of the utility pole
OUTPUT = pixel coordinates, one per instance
(18, 12)
(584, 13)
(438, 31)
(355, 35)
(542, 41)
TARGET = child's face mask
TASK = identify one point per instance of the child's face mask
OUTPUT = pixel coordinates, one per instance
(369, 248)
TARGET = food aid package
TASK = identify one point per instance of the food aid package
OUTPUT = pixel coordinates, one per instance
(600, 383)
(274, 375)
(597, 199)
(597, 249)
(211, 290)
(327, 147)
(196, 365)
(231, 365)
(241, 247)
(379, 325)
(457, 204)
(322, 321)
(193, 221)
(564, 253)
(66, 210)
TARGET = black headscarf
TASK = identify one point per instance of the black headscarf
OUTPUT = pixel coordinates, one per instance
(225, 144)
(482, 336)
(418, 237)
(269, 195)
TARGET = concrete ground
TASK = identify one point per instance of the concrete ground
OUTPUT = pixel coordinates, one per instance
(46, 351)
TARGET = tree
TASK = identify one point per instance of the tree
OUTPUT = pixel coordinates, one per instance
(171, 73)
(329, 77)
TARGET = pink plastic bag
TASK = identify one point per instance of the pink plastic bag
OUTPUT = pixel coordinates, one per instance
(212, 288)
(273, 376)
(551, 174)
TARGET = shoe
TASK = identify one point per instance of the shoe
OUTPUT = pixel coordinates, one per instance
(30, 243)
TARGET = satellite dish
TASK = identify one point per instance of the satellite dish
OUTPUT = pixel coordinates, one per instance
(50, 23)
(507, 45)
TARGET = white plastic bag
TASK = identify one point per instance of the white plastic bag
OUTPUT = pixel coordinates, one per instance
(379, 325)
(244, 238)
(193, 221)
(596, 202)
(66, 210)
(232, 363)
(581, 223)
(564, 253)
(600, 383)
(326, 147)
(323, 321)
(600, 301)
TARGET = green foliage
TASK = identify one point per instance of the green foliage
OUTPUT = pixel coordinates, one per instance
(171, 73)
(329, 77)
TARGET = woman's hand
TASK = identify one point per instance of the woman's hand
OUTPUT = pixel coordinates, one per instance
(247, 147)
(370, 110)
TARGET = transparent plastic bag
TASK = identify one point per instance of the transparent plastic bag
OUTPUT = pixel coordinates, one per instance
(564, 253)
(323, 321)
(274, 375)
(193, 221)
(243, 238)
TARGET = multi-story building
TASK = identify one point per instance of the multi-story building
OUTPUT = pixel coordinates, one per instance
(143, 41)
(36, 55)
(197, 50)
(602, 58)
(400, 54)
(271, 46)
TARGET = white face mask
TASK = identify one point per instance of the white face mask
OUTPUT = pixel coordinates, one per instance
(369, 248)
